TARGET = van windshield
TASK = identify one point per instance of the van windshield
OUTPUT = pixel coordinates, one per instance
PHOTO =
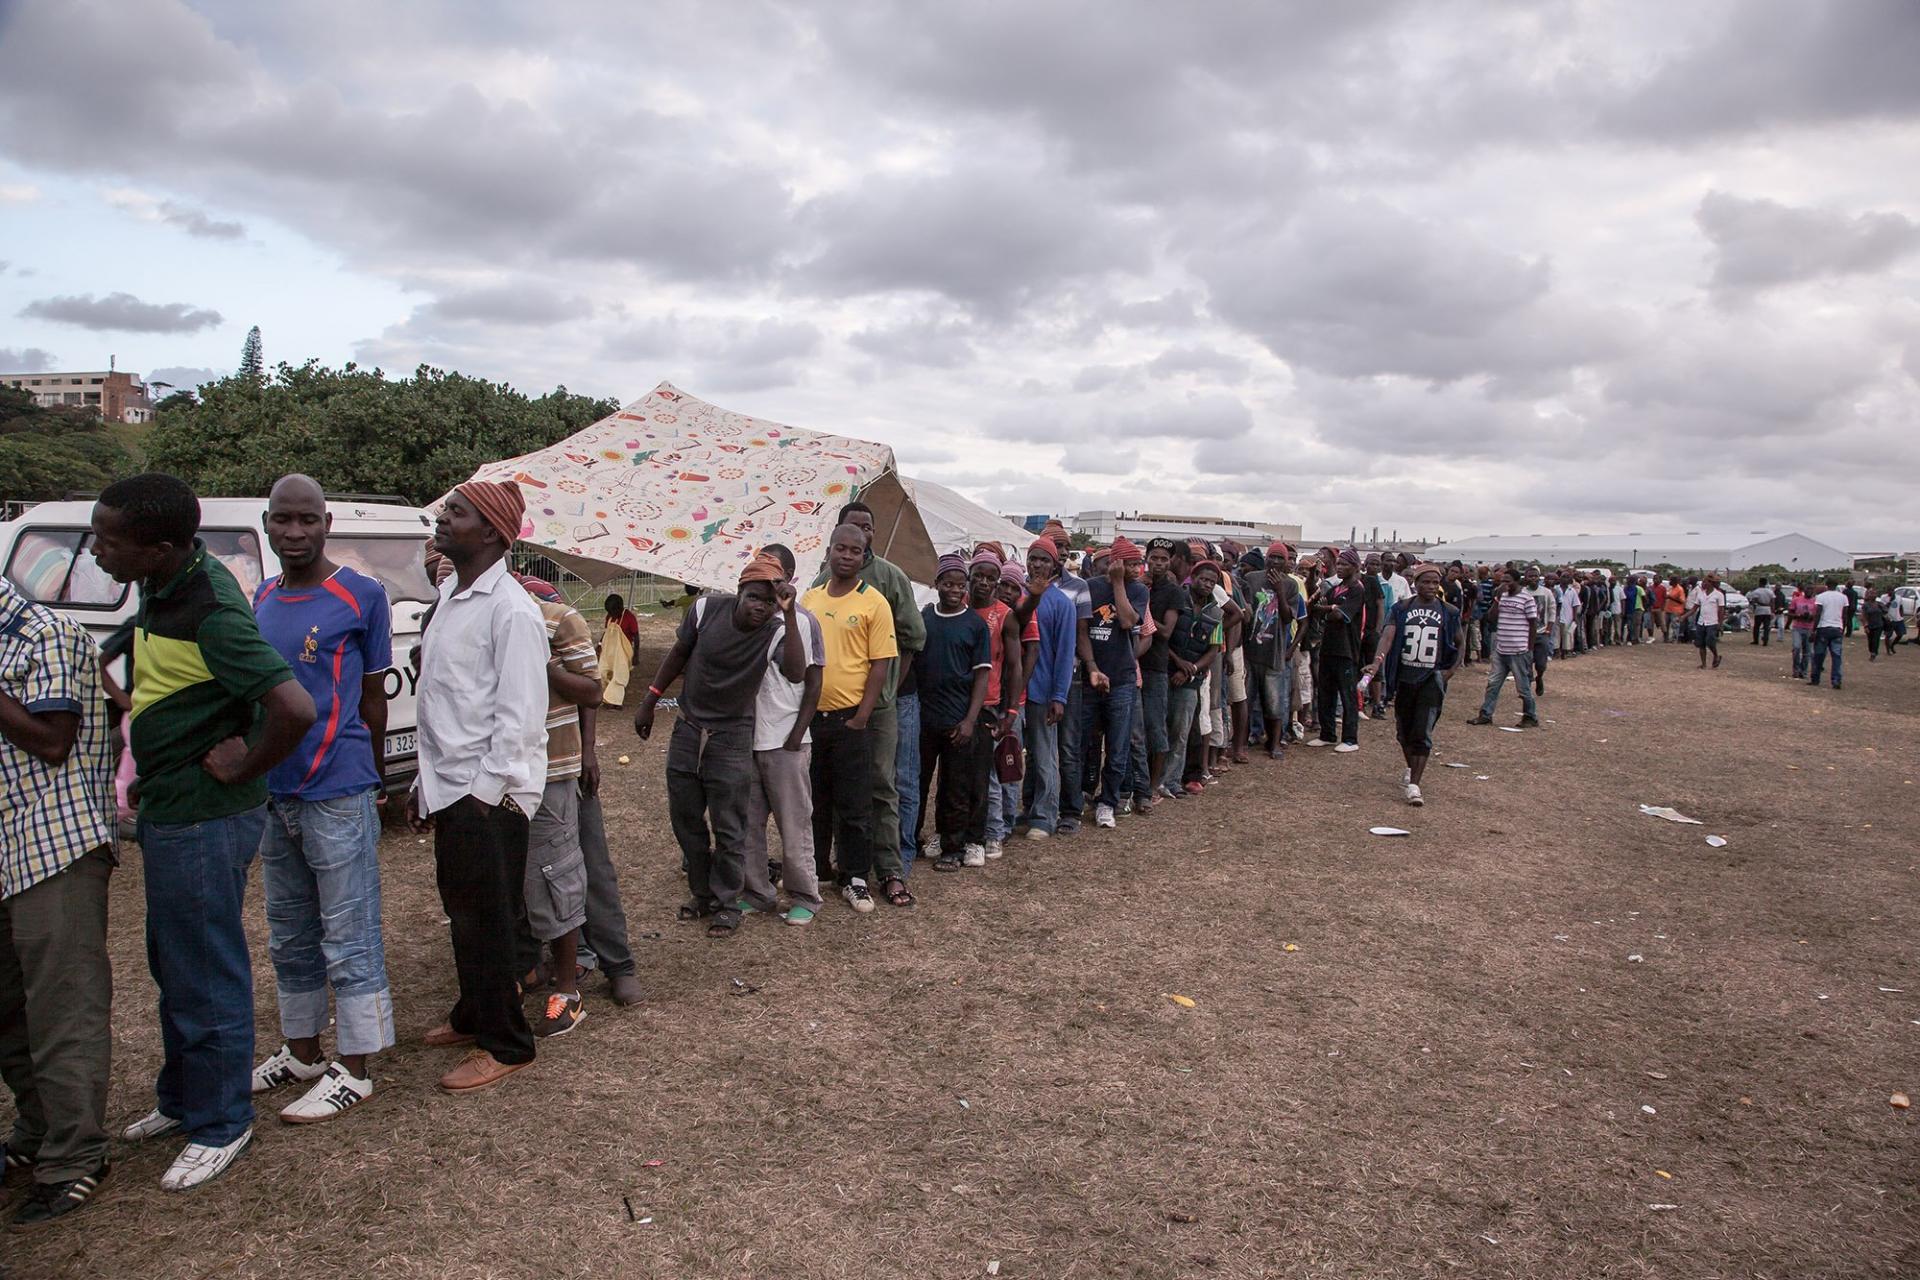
(400, 564)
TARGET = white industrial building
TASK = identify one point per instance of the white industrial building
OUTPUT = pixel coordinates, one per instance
(1721, 551)
(1141, 526)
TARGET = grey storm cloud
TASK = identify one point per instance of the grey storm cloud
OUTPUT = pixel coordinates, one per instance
(1467, 230)
(25, 359)
(522, 303)
(1761, 243)
(197, 222)
(1358, 288)
(122, 312)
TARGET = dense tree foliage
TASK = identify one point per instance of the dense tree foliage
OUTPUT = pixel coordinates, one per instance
(252, 359)
(356, 430)
(49, 453)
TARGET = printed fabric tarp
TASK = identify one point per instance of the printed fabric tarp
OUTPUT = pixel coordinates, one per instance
(674, 486)
(954, 522)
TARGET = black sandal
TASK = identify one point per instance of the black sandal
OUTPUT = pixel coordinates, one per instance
(694, 911)
(895, 891)
(724, 923)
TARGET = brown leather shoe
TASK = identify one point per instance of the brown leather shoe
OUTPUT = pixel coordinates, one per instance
(479, 1070)
(444, 1037)
(626, 989)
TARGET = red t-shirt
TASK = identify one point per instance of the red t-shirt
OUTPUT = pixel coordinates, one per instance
(995, 616)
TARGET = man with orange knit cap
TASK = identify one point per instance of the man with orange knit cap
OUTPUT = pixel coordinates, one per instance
(721, 648)
(483, 769)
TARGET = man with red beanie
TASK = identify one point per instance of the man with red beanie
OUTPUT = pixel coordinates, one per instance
(483, 769)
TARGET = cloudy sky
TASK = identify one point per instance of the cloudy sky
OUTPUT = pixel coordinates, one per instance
(1449, 268)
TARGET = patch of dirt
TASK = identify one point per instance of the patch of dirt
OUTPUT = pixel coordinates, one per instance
(1452, 1075)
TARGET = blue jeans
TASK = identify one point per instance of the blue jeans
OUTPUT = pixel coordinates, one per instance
(1183, 703)
(1521, 665)
(1072, 790)
(1042, 782)
(1110, 715)
(1003, 798)
(196, 874)
(1802, 651)
(321, 868)
(1137, 784)
(1826, 640)
(906, 766)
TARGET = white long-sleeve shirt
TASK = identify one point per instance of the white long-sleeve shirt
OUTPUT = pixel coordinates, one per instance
(483, 696)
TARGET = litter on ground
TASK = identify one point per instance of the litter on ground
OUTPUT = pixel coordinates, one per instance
(1671, 815)
(1389, 831)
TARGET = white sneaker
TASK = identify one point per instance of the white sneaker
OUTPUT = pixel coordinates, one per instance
(150, 1125)
(1318, 742)
(338, 1090)
(1347, 746)
(1299, 730)
(973, 856)
(1406, 776)
(855, 892)
(1035, 833)
(283, 1068)
(1414, 797)
(200, 1163)
(1102, 816)
(995, 849)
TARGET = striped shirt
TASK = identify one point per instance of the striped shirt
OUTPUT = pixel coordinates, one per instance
(569, 640)
(50, 815)
(1515, 612)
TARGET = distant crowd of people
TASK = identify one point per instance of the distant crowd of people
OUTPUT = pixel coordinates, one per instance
(1032, 694)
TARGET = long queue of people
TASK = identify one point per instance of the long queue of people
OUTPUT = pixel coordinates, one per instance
(872, 733)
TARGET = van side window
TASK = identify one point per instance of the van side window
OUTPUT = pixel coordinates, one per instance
(53, 566)
(239, 551)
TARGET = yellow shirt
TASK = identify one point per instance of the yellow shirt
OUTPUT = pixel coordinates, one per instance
(858, 629)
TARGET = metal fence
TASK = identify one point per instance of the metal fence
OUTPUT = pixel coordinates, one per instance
(642, 592)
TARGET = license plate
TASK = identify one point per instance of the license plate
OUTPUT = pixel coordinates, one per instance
(400, 744)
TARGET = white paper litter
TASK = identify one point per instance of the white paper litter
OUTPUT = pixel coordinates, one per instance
(1671, 815)
(1636, 958)
(1455, 764)
(1482, 777)
(1659, 1207)
(1893, 991)
(1718, 842)
(1389, 831)
(1507, 728)
(1649, 1111)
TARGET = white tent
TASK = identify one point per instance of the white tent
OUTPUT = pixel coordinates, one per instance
(954, 522)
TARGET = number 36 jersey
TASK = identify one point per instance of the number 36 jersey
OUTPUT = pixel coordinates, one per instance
(1424, 639)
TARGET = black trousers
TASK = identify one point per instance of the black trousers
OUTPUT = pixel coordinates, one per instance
(480, 866)
(1762, 629)
(842, 773)
(708, 777)
(1338, 681)
(960, 814)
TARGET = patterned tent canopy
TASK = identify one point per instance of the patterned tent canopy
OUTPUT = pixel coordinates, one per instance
(674, 486)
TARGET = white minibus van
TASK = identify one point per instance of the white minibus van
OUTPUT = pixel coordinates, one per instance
(45, 553)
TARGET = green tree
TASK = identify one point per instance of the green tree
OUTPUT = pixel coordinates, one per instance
(357, 431)
(252, 362)
(49, 453)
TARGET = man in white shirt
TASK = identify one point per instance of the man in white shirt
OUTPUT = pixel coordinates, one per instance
(1708, 605)
(1835, 606)
(483, 766)
(783, 762)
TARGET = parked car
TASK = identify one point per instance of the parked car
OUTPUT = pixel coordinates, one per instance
(45, 553)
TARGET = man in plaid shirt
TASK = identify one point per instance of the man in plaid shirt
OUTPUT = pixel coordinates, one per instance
(56, 853)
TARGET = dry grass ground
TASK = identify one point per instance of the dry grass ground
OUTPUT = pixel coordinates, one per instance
(1460, 1071)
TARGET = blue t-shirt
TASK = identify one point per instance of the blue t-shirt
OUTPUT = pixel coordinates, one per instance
(331, 635)
(957, 646)
(1112, 643)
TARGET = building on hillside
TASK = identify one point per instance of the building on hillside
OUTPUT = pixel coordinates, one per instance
(119, 396)
(1722, 551)
(1140, 526)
